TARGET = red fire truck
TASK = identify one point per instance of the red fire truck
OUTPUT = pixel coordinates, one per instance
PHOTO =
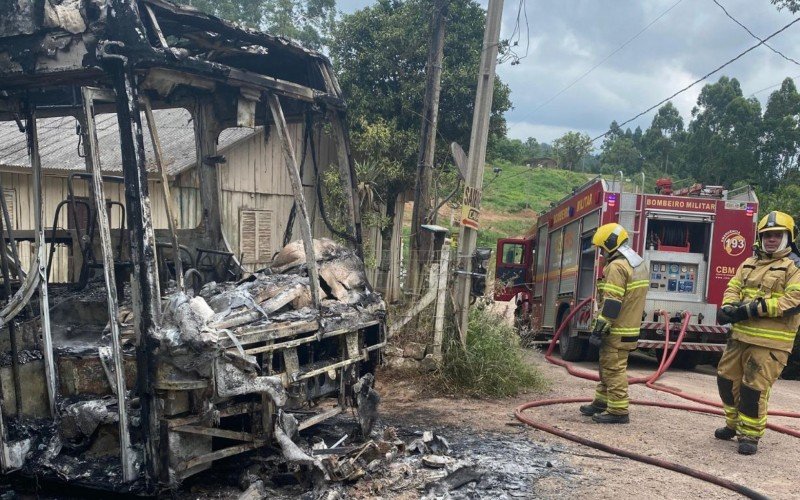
(692, 241)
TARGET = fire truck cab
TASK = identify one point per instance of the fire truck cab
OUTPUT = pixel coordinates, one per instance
(692, 241)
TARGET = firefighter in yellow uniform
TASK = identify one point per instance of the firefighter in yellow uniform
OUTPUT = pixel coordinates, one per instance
(762, 301)
(616, 329)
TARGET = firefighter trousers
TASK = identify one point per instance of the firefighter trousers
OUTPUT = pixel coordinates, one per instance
(612, 390)
(745, 375)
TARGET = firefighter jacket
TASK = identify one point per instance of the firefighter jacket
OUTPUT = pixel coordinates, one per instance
(776, 280)
(622, 294)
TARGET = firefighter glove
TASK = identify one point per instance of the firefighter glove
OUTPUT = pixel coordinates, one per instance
(725, 314)
(601, 328)
(753, 309)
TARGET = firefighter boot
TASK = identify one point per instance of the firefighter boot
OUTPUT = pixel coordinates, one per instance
(747, 446)
(591, 409)
(725, 433)
(610, 418)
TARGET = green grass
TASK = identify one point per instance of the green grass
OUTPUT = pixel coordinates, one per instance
(514, 193)
(492, 364)
(492, 231)
(519, 187)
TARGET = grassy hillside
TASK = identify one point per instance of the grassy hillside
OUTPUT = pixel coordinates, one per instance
(512, 200)
(518, 187)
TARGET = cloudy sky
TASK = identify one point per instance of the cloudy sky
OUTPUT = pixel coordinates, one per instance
(687, 39)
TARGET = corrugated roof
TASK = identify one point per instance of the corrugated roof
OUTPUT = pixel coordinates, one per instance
(58, 142)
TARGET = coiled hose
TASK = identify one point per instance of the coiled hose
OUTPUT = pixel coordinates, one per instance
(667, 357)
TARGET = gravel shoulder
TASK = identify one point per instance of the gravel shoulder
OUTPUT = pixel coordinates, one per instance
(674, 435)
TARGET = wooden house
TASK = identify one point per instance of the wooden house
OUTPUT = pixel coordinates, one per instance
(255, 194)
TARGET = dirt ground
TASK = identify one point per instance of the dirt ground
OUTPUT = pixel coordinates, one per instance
(674, 435)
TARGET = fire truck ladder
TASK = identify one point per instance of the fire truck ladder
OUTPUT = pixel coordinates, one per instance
(631, 209)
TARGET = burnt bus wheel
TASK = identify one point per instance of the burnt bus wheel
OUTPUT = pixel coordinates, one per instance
(571, 348)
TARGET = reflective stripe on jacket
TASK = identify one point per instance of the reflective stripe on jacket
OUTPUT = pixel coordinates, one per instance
(775, 279)
(627, 285)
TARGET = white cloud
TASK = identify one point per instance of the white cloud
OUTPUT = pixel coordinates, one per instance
(689, 41)
(569, 38)
(542, 133)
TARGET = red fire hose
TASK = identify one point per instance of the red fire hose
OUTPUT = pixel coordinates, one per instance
(667, 357)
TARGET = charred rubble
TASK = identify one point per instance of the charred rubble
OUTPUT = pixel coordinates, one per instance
(216, 350)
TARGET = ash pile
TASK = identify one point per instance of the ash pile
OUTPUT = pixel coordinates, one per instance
(393, 462)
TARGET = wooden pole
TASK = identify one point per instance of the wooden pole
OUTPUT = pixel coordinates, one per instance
(421, 241)
(168, 203)
(467, 236)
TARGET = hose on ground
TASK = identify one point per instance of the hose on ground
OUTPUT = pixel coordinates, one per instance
(667, 357)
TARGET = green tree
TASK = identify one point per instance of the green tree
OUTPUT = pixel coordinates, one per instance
(621, 154)
(792, 5)
(781, 138)
(571, 148)
(513, 150)
(785, 197)
(380, 53)
(661, 139)
(307, 21)
(724, 135)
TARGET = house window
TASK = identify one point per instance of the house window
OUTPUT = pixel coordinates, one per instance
(255, 236)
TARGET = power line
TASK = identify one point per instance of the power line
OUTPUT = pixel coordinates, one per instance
(634, 37)
(684, 89)
(510, 54)
(772, 86)
(770, 47)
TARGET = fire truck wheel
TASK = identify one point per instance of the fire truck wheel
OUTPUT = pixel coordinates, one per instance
(519, 320)
(590, 353)
(571, 348)
(684, 360)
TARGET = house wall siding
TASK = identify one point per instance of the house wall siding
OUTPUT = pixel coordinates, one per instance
(255, 177)
(54, 190)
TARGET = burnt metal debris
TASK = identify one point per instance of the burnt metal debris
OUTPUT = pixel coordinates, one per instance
(113, 382)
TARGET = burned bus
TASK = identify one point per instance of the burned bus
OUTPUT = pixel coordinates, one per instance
(171, 317)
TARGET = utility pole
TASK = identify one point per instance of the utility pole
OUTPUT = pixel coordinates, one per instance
(421, 240)
(468, 232)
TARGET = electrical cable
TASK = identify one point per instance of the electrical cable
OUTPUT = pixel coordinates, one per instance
(321, 198)
(773, 86)
(770, 47)
(522, 10)
(717, 69)
(667, 357)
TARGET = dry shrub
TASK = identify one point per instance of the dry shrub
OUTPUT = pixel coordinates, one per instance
(492, 364)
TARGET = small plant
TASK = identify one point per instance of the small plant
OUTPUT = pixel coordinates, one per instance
(492, 363)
